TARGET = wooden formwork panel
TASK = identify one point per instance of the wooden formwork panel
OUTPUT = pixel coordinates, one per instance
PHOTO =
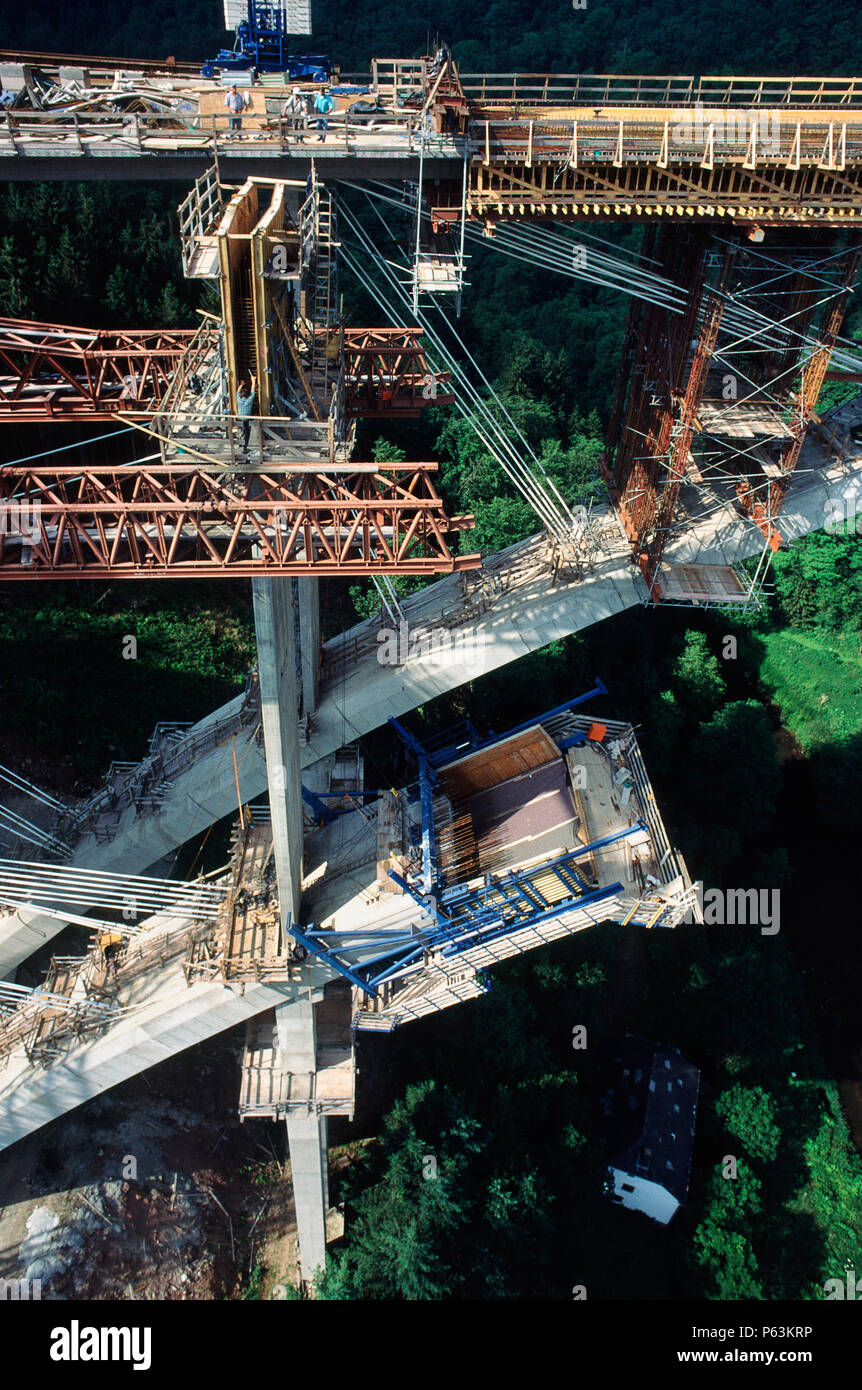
(490, 766)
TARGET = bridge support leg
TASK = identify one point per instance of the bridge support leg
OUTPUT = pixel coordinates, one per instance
(275, 627)
(276, 654)
(307, 1137)
(308, 589)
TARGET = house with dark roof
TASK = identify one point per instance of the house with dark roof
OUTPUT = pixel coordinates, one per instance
(647, 1108)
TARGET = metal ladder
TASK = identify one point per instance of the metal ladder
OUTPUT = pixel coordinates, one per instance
(324, 293)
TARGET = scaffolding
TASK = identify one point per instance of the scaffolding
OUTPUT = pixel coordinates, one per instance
(502, 844)
(713, 404)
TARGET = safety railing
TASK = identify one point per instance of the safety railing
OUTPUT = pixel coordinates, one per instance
(198, 214)
(749, 138)
(577, 89)
(615, 89)
(198, 377)
(218, 441)
(159, 769)
(394, 78)
(780, 91)
(51, 134)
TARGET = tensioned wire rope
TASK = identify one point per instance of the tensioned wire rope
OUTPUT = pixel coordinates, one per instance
(537, 487)
(553, 250)
(477, 398)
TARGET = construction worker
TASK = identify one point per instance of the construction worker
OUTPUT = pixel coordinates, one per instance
(111, 944)
(323, 104)
(236, 102)
(296, 111)
(245, 403)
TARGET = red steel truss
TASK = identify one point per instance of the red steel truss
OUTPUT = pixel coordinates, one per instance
(386, 373)
(54, 372)
(150, 522)
(662, 387)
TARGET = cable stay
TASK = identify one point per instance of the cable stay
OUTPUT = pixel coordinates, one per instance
(496, 434)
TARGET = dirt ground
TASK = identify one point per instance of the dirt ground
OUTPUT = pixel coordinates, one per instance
(153, 1191)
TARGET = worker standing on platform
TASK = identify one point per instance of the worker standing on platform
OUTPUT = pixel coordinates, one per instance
(236, 103)
(111, 945)
(296, 111)
(245, 402)
(323, 104)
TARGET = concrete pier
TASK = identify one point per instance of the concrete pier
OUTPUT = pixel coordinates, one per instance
(276, 657)
(306, 1135)
(274, 619)
(308, 591)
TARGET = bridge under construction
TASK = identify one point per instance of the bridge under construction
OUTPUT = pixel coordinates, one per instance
(342, 910)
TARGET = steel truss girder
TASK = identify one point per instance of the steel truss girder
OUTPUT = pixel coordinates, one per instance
(56, 372)
(387, 374)
(53, 371)
(177, 521)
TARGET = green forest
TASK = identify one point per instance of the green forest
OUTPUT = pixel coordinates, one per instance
(696, 36)
(755, 756)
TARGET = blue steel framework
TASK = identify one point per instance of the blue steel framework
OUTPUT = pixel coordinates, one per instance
(461, 916)
(505, 903)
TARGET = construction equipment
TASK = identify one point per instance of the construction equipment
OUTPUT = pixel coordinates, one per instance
(262, 40)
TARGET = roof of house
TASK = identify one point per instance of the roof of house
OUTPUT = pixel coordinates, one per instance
(647, 1106)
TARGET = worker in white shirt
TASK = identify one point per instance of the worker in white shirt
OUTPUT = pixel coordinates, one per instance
(296, 111)
(245, 402)
(236, 102)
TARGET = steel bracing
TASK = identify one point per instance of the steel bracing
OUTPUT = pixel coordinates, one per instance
(721, 395)
(147, 521)
(370, 957)
(54, 372)
(387, 374)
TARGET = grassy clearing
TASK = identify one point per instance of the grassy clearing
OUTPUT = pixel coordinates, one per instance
(816, 679)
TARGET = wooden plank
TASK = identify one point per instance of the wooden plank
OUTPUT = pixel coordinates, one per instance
(490, 766)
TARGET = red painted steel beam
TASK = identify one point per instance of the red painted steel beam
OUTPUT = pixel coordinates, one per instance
(55, 372)
(176, 521)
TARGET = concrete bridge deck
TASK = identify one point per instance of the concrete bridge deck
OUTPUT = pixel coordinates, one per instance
(547, 145)
(162, 1014)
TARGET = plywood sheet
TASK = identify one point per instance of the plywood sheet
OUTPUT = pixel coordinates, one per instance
(510, 819)
(490, 766)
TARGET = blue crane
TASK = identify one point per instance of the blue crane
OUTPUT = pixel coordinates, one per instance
(262, 40)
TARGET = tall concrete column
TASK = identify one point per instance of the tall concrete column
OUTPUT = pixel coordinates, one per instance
(307, 1137)
(274, 621)
(308, 589)
(276, 655)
